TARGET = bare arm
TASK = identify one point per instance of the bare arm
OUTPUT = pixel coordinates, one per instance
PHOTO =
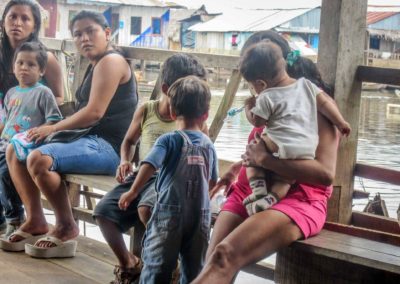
(318, 171)
(226, 179)
(129, 144)
(53, 76)
(255, 120)
(116, 70)
(145, 172)
(329, 109)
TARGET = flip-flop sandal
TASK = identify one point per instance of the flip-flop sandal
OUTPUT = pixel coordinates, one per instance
(61, 249)
(28, 238)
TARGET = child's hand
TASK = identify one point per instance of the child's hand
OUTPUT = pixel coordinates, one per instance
(345, 128)
(124, 168)
(250, 102)
(126, 199)
(225, 181)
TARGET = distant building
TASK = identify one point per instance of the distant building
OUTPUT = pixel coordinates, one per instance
(129, 19)
(299, 23)
(227, 32)
(383, 27)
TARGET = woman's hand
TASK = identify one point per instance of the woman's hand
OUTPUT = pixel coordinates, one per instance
(256, 153)
(124, 168)
(38, 134)
(126, 199)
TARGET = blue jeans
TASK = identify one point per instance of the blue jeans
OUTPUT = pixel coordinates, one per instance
(10, 201)
(87, 155)
(180, 222)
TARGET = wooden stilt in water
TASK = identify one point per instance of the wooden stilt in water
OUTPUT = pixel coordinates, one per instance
(377, 206)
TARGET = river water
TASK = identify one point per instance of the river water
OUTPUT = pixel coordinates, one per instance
(378, 142)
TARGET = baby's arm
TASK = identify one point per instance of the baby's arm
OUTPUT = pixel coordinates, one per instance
(328, 108)
(255, 120)
(145, 172)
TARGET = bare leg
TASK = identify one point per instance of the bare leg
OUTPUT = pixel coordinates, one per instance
(270, 231)
(226, 223)
(280, 187)
(114, 238)
(35, 223)
(144, 214)
(50, 184)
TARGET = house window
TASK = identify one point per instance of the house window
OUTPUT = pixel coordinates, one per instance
(374, 43)
(156, 25)
(136, 25)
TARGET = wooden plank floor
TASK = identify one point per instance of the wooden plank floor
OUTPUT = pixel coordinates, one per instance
(94, 263)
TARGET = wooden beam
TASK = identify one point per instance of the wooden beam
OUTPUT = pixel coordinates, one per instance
(365, 233)
(390, 76)
(153, 54)
(377, 173)
(225, 105)
(376, 222)
(342, 34)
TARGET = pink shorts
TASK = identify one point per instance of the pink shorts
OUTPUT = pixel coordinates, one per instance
(308, 215)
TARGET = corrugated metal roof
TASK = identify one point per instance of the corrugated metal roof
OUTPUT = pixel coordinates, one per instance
(218, 6)
(374, 17)
(147, 3)
(248, 20)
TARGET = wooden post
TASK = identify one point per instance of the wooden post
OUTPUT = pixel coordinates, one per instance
(81, 64)
(341, 48)
(226, 103)
(157, 89)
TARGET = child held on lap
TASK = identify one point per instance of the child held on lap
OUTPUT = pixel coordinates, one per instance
(289, 109)
(181, 217)
(28, 105)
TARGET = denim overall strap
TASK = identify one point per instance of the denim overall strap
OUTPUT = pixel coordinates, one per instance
(180, 222)
(186, 138)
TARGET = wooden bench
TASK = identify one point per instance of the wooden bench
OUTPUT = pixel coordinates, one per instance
(83, 201)
(333, 257)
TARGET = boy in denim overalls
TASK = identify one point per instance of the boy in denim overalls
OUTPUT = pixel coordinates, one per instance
(180, 223)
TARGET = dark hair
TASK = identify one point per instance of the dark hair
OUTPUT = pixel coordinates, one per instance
(267, 36)
(190, 97)
(302, 67)
(263, 60)
(36, 47)
(180, 65)
(6, 51)
(94, 16)
(305, 67)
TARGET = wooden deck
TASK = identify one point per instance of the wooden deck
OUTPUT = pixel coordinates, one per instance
(93, 263)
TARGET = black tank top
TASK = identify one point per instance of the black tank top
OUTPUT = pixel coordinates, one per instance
(118, 116)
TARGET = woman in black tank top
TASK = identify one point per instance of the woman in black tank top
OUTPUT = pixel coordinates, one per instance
(106, 101)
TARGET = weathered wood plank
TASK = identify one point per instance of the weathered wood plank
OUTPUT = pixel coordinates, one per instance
(225, 104)
(153, 54)
(105, 183)
(96, 249)
(353, 250)
(390, 76)
(377, 173)
(86, 266)
(375, 222)
(21, 268)
(342, 37)
(298, 266)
